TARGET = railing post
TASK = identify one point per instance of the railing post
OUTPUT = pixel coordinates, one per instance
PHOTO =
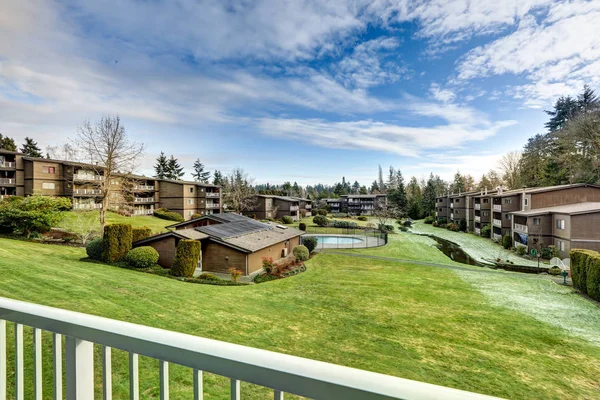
(57, 361)
(19, 387)
(235, 389)
(164, 379)
(134, 383)
(106, 373)
(198, 387)
(80, 369)
(37, 364)
(278, 395)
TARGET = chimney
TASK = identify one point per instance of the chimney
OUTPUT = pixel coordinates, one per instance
(500, 189)
(486, 190)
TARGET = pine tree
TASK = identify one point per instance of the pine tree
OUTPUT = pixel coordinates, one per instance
(459, 183)
(174, 169)
(199, 174)
(429, 195)
(397, 196)
(7, 143)
(587, 100)
(218, 179)
(414, 199)
(161, 167)
(355, 187)
(380, 182)
(392, 182)
(375, 187)
(30, 147)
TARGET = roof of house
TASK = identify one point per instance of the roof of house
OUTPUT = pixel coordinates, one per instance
(284, 198)
(260, 239)
(233, 228)
(364, 196)
(16, 153)
(454, 195)
(571, 209)
(542, 189)
(188, 183)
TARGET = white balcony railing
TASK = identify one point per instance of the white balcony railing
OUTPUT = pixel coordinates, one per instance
(308, 207)
(497, 222)
(294, 208)
(7, 181)
(143, 187)
(477, 218)
(87, 177)
(451, 215)
(497, 207)
(90, 206)
(7, 164)
(87, 191)
(211, 194)
(477, 231)
(521, 228)
(452, 205)
(143, 200)
(212, 205)
(497, 237)
(478, 206)
(436, 213)
(144, 211)
(279, 372)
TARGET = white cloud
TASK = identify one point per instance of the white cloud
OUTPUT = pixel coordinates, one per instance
(443, 95)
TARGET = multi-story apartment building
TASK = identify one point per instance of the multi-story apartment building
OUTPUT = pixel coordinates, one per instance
(188, 198)
(129, 194)
(482, 211)
(272, 206)
(335, 205)
(361, 204)
(442, 209)
(461, 208)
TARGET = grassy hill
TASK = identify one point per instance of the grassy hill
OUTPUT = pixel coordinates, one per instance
(416, 322)
(156, 224)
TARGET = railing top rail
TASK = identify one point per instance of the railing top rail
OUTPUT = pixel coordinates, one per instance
(304, 377)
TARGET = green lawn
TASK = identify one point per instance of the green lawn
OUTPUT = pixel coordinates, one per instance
(423, 323)
(156, 224)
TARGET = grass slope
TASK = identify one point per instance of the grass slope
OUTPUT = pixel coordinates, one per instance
(156, 224)
(411, 321)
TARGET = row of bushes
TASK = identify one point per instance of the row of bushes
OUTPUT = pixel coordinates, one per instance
(585, 272)
(163, 213)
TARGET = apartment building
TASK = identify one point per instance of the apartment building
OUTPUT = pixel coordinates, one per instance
(482, 211)
(188, 198)
(442, 209)
(272, 206)
(461, 208)
(335, 205)
(361, 204)
(11, 174)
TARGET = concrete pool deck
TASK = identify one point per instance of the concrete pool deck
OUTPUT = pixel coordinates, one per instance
(365, 241)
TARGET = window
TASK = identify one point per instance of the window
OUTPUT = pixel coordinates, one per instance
(191, 190)
(561, 245)
(190, 213)
(560, 224)
(486, 213)
(526, 202)
(486, 200)
(48, 185)
(190, 201)
(507, 201)
(537, 221)
(507, 217)
(48, 170)
(456, 211)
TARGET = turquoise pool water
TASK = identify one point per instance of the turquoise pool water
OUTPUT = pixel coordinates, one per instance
(337, 240)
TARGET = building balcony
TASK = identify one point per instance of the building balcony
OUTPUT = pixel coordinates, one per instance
(212, 194)
(436, 213)
(452, 205)
(478, 206)
(212, 205)
(88, 206)
(281, 373)
(87, 177)
(8, 181)
(477, 218)
(477, 231)
(308, 207)
(497, 207)
(144, 188)
(8, 164)
(497, 222)
(87, 192)
(143, 211)
(497, 237)
(143, 200)
(294, 208)
(521, 228)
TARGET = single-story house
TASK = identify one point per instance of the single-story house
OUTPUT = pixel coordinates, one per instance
(227, 240)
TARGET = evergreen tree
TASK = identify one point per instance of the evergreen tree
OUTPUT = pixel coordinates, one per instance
(356, 187)
(375, 187)
(30, 147)
(7, 143)
(414, 199)
(564, 110)
(218, 179)
(380, 182)
(363, 190)
(161, 167)
(296, 191)
(397, 196)
(429, 195)
(458, 186)
(199, 174)
(392, 182)
(174, 169)
(484, 183)
(587, 100)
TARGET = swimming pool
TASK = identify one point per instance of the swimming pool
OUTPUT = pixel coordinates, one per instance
(337, 240)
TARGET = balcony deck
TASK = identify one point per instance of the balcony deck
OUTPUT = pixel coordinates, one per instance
(279, 372)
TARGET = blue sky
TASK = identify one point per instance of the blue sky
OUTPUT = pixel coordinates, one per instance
(306, 91)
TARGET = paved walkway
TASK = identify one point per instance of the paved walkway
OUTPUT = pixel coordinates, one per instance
(429, 264)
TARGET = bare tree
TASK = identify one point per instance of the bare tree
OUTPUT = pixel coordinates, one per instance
(238, 194)
(84, 226)
(510, 167)
(110, 153)
(383, 212)
(65, 152)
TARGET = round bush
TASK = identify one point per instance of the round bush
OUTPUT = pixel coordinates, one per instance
(301, 253)
(302, 226)
(362, 218)
(287, 219)
(95, 248)
(322, 212)
(321, 220)
(142, 257)
(310, 242)
(555, 270)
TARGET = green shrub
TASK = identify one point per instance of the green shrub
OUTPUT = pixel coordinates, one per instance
(555, 270)
(521, 250)
(310, 242)
(443, 226)
(302, 226)
(442, 220)
(340, 215)
(314, 212)
(140, 233)
(388, 228)
(186, 258)
(593, 276)
(163, 213)
(264, 278)
(452, 227)
(195, 216)
(209, 277)
(320, 220)
(301, 252)
(287, 219)
(462, 225)
(142, 257)
(95, 249)
(117, 242)
(362, 218)
(429, 220)
(344, 224)
(435, 224)
(322, 212)
(506, 241)
(553, 251)
(33, 214)
(486, 231)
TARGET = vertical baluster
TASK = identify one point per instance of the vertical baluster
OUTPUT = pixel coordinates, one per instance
(37, 364)
(2, 359)
(235, 389)
(57, 362)
(80, 369)
(198, 388)
(19, 388)
(164, 379)
(106, 373)
(134, 383)
(277, 395)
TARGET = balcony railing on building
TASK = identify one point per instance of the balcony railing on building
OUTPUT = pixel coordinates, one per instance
(497, 237)
(143, 200)
(497, 222)
(308, 207)
(7, 164)
(143, 187)
(477, 218)
(280, 373)
(7, 181)
(497, 207)
(212, 205)
(477, 231)
(452, 205)
(294, 208)
(88, 192)
(87, 177)
(477, 206)
(87, 206)
(521, 228)
(143, 211)
(212, 194)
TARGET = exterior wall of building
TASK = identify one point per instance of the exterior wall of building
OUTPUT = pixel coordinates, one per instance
(44, 177)
(219, 258)
(167, 248)
(564, 196)
(275, 251)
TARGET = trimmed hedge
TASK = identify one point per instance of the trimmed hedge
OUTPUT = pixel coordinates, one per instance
(301, 253)
(585, 271)
(186, 258)
(142, 257)
(429, 220)
(310, 242)
(287, 219)
(320, 220)
(163, 213)
(344, 224)
(117, 242)
(95, 248)
(362, 218)
(506, 241)
(302, 226)
(140, 233)
(322, 212)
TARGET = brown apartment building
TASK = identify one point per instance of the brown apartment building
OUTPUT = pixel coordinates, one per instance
(271, 206)
(188, 198)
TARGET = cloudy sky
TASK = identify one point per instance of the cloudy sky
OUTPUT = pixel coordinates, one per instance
(298, 90)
